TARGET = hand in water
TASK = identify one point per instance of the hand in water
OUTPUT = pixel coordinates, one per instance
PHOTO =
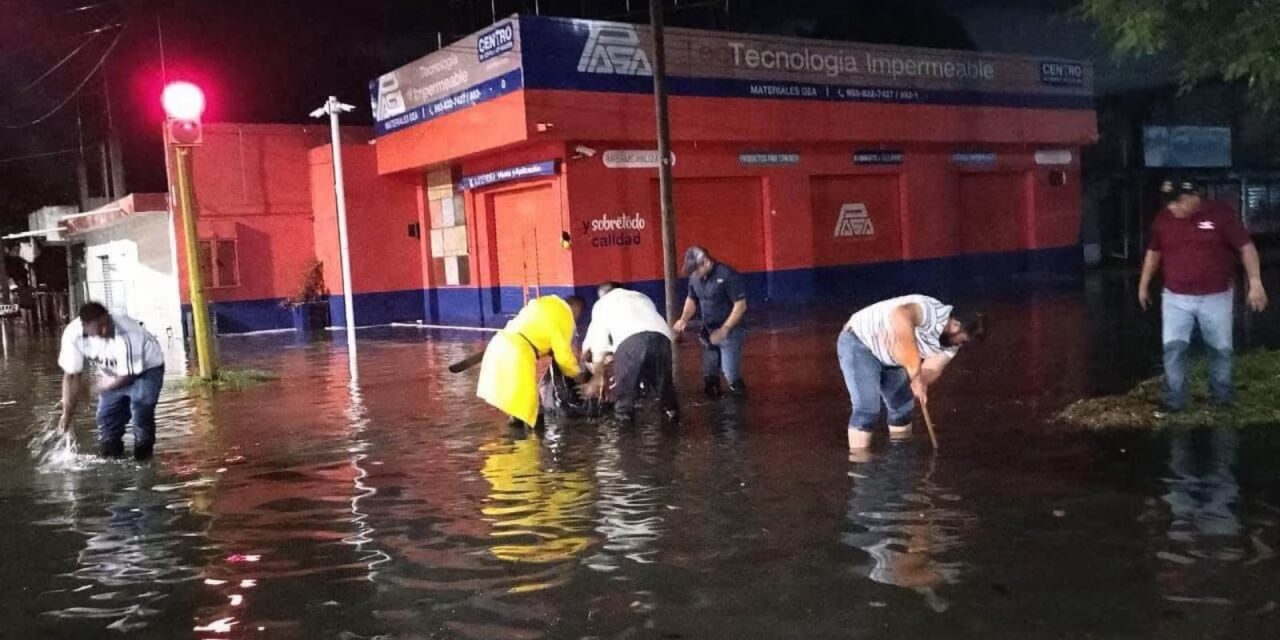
(593, 388)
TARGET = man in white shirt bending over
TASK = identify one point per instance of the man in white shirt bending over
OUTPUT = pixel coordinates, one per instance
(130, 367)
(893, 350)
(628, 325)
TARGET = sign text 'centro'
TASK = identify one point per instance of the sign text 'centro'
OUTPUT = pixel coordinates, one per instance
(1062, 74)
(497, 40)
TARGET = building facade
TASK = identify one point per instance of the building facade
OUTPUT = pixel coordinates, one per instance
(816, 168)
(520, 161)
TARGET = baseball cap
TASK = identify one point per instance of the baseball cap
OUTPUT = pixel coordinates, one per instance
(1175, 188)
(693, 256)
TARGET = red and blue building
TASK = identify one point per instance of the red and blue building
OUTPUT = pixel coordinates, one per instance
(520, 160)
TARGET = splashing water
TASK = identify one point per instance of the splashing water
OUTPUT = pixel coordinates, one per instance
(55, 449)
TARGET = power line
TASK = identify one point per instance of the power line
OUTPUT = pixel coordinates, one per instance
(35, 156)
(61, 39)
(92, 36)
(92, 72)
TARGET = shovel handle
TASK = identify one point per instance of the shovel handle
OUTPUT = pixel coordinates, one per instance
(928, 422)
(467, 362)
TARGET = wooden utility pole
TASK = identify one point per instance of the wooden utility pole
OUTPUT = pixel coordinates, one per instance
(670, 277)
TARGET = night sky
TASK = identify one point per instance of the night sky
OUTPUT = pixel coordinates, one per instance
(276, 60)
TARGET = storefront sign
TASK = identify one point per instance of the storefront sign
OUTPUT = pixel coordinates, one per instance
(585, 55)
(588, 55)
(1186, 146)
(1062, 74)
(473, 70)
(973, 157)
(877, 156)
(531, 170)
(633, 158)
(768, 158)
(496, 41)
(1053, 157)
(615, 231)
(854, 221)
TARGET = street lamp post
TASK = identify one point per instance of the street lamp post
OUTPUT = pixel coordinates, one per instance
(332, 108)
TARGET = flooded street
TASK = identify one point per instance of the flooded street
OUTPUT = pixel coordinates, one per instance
(407, 509)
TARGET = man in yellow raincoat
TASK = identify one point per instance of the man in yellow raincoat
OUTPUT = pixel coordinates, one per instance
(509, 371)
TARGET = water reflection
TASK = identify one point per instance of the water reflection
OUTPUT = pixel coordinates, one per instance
(630, 501)
(1205, 544)
(134, 550)
(907, 523)
(362, 538)
(540, 512)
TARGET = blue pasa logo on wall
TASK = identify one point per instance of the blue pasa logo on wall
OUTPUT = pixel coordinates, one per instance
(614, 49)
(496, 41)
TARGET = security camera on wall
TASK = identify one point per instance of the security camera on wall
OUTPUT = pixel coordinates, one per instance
(583, 151)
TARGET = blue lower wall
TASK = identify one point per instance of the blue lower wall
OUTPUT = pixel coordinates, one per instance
(244, 316)
(953, 278)
(382, 307)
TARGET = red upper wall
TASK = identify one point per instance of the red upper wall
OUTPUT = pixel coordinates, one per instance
(379, 211)
(477, 129)
(785, 217)
(616, 116)
(252, 185)
(553, 115)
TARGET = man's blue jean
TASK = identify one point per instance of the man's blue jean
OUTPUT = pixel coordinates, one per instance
(870, 382)
(1213, 314)
(136, 400)
(725, 357)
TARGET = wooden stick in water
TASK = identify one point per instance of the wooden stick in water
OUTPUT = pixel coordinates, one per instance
(928, 422)
(468, 362)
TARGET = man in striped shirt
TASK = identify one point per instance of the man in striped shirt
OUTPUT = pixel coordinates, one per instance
(130, 366)
(893, 350)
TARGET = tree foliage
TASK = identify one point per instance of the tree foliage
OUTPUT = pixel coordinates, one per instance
(1233, 40)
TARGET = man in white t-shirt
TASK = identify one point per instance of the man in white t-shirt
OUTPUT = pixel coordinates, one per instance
(626, 323)
(130, 366)
(893, 350)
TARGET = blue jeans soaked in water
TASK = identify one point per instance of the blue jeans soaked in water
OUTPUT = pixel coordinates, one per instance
(725, 357)
(870, 382)
(137, 401)
(1213, 314)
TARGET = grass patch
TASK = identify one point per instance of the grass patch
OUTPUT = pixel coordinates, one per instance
(1257, 377)
(232, 379)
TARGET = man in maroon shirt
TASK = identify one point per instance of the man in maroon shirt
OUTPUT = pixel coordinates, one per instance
(1196, 241)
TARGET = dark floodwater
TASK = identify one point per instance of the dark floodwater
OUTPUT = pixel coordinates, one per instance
(408, 510)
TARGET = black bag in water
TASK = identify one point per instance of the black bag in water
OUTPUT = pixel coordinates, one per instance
(561, 396)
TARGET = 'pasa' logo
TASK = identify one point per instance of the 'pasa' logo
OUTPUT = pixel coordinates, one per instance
(614, 49)
(390, 100)
(854, 221)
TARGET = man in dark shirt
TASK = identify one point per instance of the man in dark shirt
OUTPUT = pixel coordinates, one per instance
(716, 291)
(1196, 242)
